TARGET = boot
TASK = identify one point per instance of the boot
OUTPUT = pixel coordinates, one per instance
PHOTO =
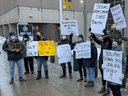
(70, 76)
(46, 75)
(80, 79)
(39, 75)
(11, 81)
(85, 79)
(21, 79)
(26, 72)
(91, 84)
(102, 90)
(64, 75)
(107, 92)
(87, 84)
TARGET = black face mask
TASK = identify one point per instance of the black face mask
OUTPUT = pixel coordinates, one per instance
(37, 36)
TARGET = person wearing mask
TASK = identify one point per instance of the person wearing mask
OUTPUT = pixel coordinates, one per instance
(126, 40)
(27, 59)
(79, 61)
(106, 43)
(90, 64)
(64, 40)
(115, 88)
(41, 59)
(14, 56)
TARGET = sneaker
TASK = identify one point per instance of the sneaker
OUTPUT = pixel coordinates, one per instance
(87, 84)
(101, 90)
(21, 79)
(63, 76)
(107, 92)
(11, 81)
(80, 79)
(91, 84)
(70, 76)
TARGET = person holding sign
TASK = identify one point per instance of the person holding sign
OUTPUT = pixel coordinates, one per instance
(106, 43)
(114, 86)
(90, 64)
(79, 61)
(41, 59)
(125, 39)
(63, 41)
(14, 56)
(27, 59)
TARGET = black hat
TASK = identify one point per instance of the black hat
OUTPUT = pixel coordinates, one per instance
(25, 36)
(80, 36)
(11, 33)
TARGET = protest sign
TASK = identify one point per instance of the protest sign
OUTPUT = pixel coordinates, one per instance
(83, 50)
(24, 29)
(112, 61)
(14, 46)
(118, 17)
(68, 27)
(64, 53)
(32, 49)
(99, 18)
(46, 48)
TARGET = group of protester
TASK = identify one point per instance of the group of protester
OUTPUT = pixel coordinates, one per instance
(88, 64)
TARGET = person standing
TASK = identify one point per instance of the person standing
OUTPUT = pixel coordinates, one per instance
(27, 59)
(79, 61)
(106, 43)
(41, 59)
(90, 64)
(64, 40)
(14, 56)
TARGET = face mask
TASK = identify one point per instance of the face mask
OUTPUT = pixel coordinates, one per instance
(25, 39)
(13, 37)
(80, 40)
(63, 37)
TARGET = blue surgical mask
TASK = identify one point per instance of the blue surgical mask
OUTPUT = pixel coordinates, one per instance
(25, 39)
(13, 37)
(63, 37)
(80, 40)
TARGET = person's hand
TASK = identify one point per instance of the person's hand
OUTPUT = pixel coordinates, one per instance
(71, 34)
(120, 30)
(89, 29)
(17, 50)
(12, 50)
(103, 67)
(122, 77)
(104, 31)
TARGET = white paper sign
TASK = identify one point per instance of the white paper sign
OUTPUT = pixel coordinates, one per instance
(64, 53)
(68, 27)
(112, 61)
(83, 50)
(99, 18)
(118, 17)
(32, 49)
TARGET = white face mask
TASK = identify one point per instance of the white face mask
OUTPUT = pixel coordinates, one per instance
(80, 39)
(13, 37)
(63, 37)
(25, 39)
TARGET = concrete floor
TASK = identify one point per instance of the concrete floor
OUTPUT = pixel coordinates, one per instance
(54, 86)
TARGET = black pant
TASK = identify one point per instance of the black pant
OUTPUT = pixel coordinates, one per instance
(30, 60)
(69, 67)
(127, 66)
(103, 81)
(80, 66)
(115, 90)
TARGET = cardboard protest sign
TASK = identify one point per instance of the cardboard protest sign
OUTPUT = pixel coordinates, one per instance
(14, 46)
(118, 17)
(99, 18)
(24, 29)
(68, 27)
(83, 50)
(46, 48)
(112, 61)
(32, 49)
(64, 53)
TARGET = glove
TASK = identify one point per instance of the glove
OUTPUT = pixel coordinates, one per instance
(103, 67)
(89, 29)
(71, 34)
(122, 77)
(104, 31)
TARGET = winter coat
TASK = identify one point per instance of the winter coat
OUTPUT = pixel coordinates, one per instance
(14, 56)
(91, 62)
(104, 45)
(124, 63)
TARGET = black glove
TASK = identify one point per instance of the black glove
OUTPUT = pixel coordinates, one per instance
(89, 29)
(104, 31)
(71, 34)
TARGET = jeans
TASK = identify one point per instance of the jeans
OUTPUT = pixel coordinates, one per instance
(80, 66)
(69, 67)
(12, 66)
(90, 74)
(115, 90)
(41, 60)
(30, 61)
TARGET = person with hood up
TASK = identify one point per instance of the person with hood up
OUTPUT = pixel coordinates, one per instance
(14, 56)
(27, 59)
(41, 59)
(90, 64)
(64, 40)
(79, 61)
(106, 43)
(115, 88)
